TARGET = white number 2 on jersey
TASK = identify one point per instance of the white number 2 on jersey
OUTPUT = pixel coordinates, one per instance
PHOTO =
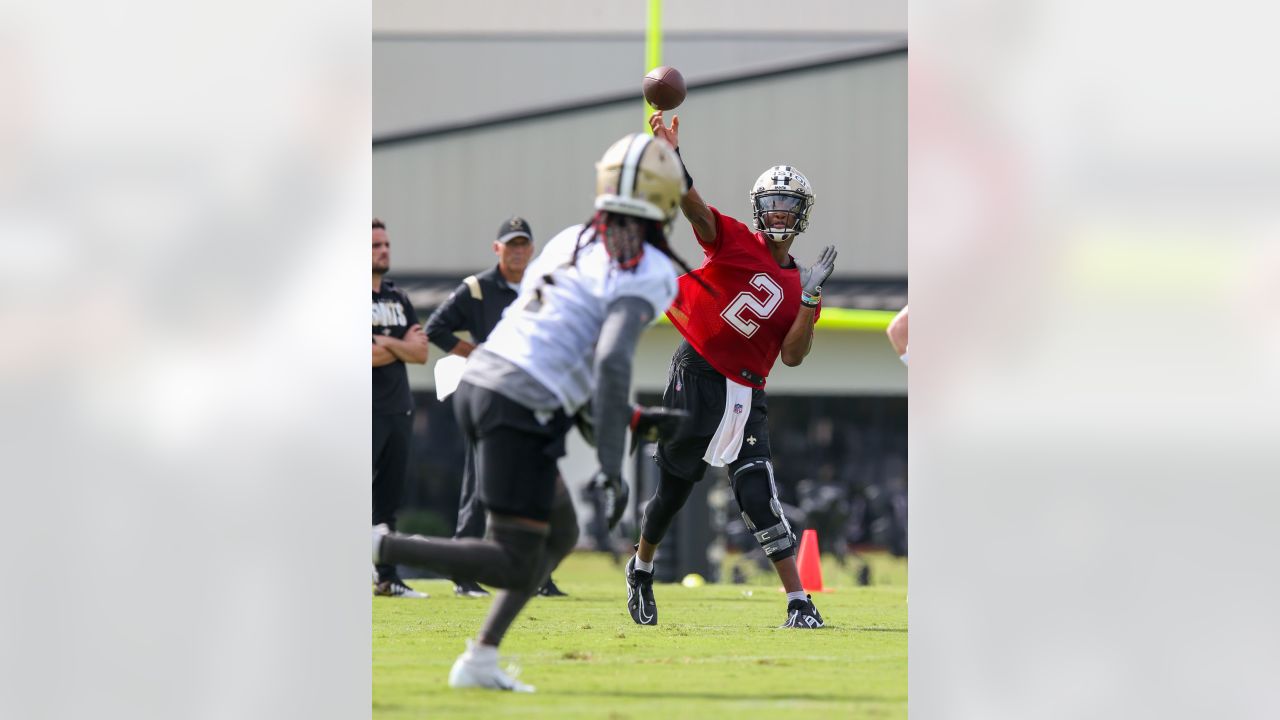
(747, 302)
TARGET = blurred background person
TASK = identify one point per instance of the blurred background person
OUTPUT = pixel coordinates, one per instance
(397, 339)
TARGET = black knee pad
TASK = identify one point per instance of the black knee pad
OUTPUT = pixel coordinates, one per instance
(522, 552)
(671, 495)
(564, 527)
(757, 496)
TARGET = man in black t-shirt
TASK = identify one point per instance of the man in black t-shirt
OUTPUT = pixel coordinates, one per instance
(397, 339)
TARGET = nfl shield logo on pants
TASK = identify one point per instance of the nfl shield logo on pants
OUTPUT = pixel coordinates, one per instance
(737, 408)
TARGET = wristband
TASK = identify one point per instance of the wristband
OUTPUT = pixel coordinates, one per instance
(810, 300)
(688, 179)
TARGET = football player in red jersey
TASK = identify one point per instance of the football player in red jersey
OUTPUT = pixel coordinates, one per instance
(753, 304)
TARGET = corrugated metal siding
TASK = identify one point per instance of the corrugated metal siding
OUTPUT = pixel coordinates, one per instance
(843, 126)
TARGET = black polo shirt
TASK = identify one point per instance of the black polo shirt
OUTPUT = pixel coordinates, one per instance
(463, 311)
(392, 315)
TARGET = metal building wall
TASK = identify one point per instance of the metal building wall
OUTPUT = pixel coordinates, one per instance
(581, 16)
(416, 86)
(844, 126)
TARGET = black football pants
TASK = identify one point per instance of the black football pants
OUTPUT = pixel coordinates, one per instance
(471, 517)
(391, 437)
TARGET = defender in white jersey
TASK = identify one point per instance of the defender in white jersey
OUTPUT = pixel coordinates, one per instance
(551, 329)
(567, 342)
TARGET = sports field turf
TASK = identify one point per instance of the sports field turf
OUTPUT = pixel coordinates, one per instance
(717, 652)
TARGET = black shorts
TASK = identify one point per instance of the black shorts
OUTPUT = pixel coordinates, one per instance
(515, 453)
(696, 387)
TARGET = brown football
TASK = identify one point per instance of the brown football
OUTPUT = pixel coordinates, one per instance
(664, 88)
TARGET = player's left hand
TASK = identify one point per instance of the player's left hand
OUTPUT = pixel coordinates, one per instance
(615, 493)
(812, 277)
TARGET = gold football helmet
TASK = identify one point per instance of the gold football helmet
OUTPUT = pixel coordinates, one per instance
(640, 176)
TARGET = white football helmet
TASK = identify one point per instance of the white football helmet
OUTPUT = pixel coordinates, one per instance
(640, 176)
(782, 189)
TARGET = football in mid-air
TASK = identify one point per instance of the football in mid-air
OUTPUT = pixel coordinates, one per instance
(664, 88)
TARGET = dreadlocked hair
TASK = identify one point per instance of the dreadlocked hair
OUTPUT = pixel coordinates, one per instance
(624, 237)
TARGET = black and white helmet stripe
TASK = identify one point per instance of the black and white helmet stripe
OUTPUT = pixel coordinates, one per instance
(631, 163)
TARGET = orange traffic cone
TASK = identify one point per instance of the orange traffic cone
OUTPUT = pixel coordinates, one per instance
(809, 562)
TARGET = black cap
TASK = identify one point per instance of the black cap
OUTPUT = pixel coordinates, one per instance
(514, 227)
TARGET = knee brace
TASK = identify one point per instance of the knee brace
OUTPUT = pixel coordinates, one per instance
(757, 496)
(671, 495)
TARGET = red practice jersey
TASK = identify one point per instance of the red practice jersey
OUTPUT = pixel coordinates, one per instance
(740, 329)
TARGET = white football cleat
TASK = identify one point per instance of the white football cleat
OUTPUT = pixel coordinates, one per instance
(478, 667)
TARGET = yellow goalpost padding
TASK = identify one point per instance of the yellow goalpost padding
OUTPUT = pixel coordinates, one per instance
(652, 51)
(846, 319)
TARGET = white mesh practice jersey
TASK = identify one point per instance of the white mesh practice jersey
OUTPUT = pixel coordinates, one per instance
(550, 331)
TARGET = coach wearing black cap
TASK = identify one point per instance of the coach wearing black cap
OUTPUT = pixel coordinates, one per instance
(476, 306)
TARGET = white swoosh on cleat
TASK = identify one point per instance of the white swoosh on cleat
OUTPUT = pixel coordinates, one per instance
(636, 594)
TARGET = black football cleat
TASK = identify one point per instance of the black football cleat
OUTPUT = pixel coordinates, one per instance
(469, 588)
(803, 615)
(395, 587)
(550, 590)
(640, 595)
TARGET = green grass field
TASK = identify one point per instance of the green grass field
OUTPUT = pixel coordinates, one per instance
(717, 652)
